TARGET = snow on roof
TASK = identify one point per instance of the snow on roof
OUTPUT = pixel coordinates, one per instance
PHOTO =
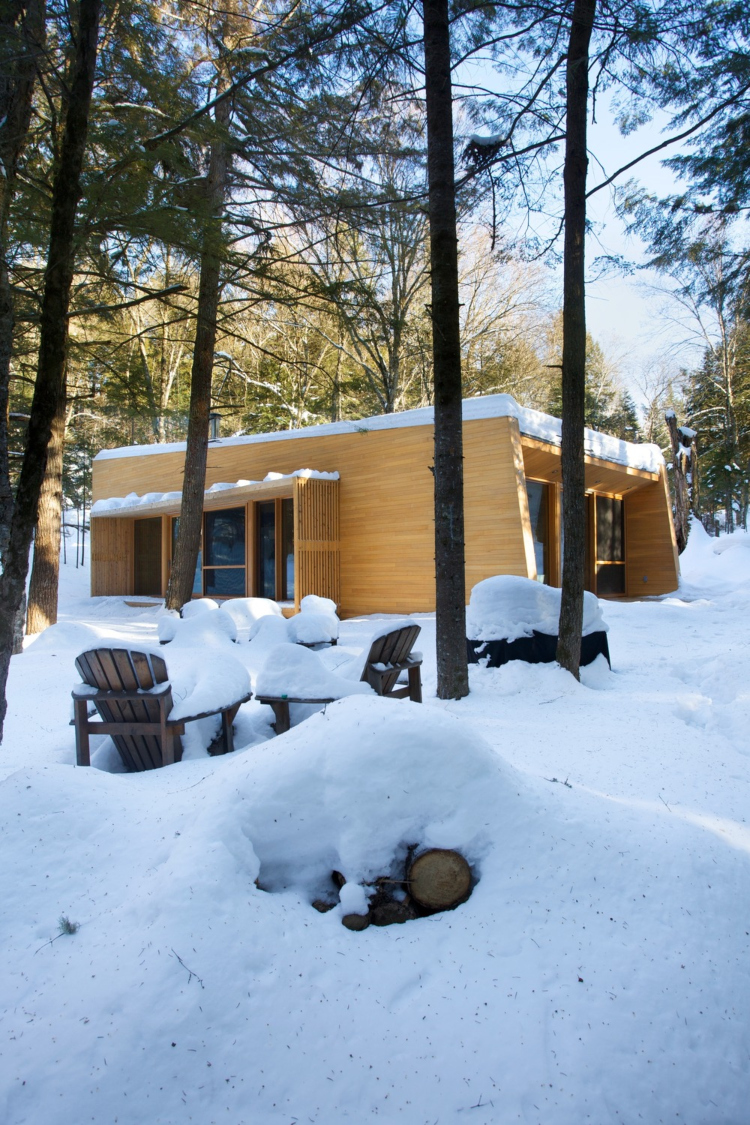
(133, 500)
(532, 423)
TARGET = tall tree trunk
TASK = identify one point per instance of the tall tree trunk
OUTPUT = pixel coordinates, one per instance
(45, 568)
(49, 387)
(574, 338)
(22, 37)
(180, 587)
(683, 472)
(450, 581)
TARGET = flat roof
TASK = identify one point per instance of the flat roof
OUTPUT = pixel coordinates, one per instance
(532, 423)
(217, 496)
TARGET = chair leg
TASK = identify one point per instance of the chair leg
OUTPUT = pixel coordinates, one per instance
(167, 737)
(227, 718)
(81, 715)
(415, 684)
(281, 712)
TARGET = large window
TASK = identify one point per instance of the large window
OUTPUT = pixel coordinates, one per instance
(198, 579)
(224, 553)
(220, 569)
(267, 549)
(539, 502)
(275, 550)
(610, 546)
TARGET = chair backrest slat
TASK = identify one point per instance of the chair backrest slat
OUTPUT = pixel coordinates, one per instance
(122, 669)
(392, 648)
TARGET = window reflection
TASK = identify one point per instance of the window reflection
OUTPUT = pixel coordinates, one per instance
(538, 496)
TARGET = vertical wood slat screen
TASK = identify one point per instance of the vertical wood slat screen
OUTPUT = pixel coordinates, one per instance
(317, 535)
(111, 556)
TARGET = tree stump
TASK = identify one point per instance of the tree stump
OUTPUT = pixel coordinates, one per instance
(439, 879)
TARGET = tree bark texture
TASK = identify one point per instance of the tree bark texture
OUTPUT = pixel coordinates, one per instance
(450, 581)
(45, 567)
(22, 38)
(180, 587)
(574, 337)
(49, 387)
(684, 461)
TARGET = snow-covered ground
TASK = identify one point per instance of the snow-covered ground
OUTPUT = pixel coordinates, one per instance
(598, 973)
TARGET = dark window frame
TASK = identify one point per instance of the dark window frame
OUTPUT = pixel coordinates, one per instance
(282, 593)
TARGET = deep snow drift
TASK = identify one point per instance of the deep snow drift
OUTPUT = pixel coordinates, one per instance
(597, 974)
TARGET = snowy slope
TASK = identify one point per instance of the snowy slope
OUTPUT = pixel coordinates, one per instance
(597, 974)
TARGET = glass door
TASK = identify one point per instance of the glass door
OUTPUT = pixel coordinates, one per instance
(274, 549)
(266, 549)
(610, 546)
(539, 503)
(224, 553)
(198, 579)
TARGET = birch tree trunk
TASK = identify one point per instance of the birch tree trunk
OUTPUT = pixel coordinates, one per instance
(574, 338)
(49, 388)
(450, 581)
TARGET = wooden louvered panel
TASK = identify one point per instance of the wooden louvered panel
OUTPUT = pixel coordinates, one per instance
(317, 545)
(319, 572)
(111, 557)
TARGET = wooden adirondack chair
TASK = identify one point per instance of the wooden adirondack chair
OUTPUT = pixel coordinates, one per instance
(391, 654)
(134, 709)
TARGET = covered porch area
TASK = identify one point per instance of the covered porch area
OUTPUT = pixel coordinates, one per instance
(278, 538)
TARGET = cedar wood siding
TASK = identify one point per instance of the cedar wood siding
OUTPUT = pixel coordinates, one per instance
(385, 504)
(651, 560)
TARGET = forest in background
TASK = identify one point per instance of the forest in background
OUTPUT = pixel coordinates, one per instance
(322, 244)
(319, 319)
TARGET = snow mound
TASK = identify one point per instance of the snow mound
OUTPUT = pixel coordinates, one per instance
(294, 671)
(269, 631)
(715, 563)
(245, 612)
(313, 628)
(193, 630)
(198, 605)
(312, 603)
(353, 786)
(64, 636)
(507, 607)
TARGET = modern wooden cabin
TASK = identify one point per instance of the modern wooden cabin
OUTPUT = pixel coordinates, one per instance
(345, 511)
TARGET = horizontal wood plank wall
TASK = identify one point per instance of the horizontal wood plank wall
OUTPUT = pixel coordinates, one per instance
(650, 545)
(386, 527)
(111, 557)
(496, 510)
(317, 539)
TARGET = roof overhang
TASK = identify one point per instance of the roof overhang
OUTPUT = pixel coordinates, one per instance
(542, 459)
(233, 497)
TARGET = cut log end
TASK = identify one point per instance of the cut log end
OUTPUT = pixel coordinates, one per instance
(439, 879)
